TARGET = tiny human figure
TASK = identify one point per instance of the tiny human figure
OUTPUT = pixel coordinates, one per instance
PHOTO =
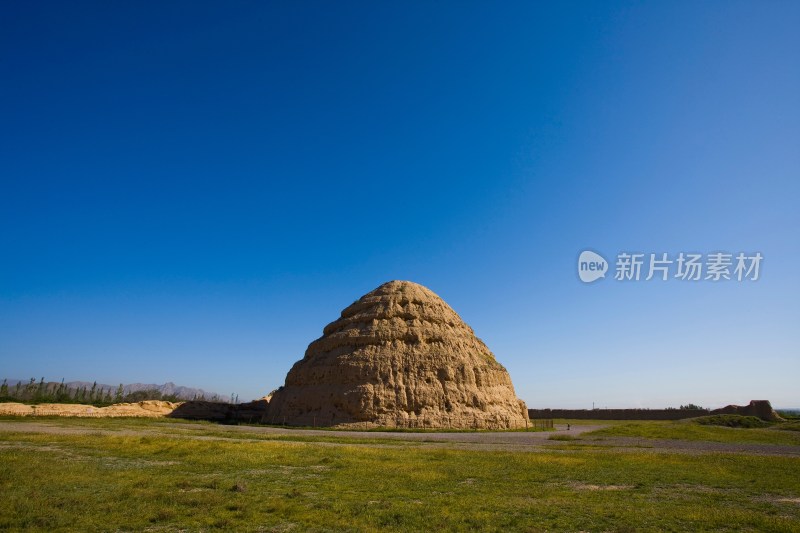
(567, 427)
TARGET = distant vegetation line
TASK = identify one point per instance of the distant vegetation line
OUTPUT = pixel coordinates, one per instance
(34, 392)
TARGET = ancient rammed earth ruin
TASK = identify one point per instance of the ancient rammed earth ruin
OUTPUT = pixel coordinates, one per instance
(398, 357)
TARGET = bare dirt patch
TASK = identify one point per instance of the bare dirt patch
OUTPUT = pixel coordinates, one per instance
(585, 486)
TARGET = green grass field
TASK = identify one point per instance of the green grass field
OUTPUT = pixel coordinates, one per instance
(146, 475)
(692, 430)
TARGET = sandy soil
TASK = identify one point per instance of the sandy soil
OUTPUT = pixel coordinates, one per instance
(144, 409)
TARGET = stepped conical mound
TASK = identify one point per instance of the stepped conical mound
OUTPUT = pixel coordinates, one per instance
(398, 357)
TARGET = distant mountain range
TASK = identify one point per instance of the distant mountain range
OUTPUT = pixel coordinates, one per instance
(167, 389)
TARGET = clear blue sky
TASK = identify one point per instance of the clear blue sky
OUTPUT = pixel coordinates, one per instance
(190, 191)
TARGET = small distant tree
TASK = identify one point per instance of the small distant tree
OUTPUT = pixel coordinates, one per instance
(4, 389)
(59, 391)
(18, 390)
(30, 389)
(93, 391)
(64, 393)
(41, 391)
(692, 407)
(141, 395)
(49, 394)
(119, 394)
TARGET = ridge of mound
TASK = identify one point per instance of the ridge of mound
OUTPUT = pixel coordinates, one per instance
(758, 408)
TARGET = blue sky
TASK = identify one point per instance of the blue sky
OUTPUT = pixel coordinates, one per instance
(190, 191)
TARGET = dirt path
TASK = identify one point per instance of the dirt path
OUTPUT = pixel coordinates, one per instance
(483, 437)
(486, 437)
(486, 441)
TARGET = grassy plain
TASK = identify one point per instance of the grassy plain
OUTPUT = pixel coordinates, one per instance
(691, 430)
(150, 475)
